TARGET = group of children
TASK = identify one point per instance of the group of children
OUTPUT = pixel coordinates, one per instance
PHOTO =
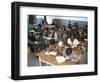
(70, 37)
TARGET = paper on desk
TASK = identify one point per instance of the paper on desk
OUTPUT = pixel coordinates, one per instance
(51, 53)
(60, 59)
(47, 53)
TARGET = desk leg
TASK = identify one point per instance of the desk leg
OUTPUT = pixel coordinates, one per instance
(40, 61)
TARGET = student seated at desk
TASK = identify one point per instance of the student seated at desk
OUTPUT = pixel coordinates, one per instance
(67, 52)
(76, 54)
(75, 57)
(72, 55)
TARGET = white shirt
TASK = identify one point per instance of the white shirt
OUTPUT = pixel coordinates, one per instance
(74, 43)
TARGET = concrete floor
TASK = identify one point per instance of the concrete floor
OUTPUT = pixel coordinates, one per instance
(33, 60)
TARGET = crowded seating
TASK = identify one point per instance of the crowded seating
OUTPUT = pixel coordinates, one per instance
(68, 41)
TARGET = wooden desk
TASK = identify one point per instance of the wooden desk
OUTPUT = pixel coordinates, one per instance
(51, 59)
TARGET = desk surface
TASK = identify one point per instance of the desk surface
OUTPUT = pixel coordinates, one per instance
(51, 59)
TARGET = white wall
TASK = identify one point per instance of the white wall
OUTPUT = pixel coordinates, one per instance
(5, 40)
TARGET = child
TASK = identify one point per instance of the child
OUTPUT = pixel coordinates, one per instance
(67, 52)
(76, 55)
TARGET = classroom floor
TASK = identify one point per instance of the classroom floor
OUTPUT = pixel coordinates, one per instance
(33, 60)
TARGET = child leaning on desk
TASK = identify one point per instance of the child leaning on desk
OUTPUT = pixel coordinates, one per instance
(72, 54)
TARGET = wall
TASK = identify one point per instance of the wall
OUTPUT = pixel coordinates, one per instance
(65, 22)
(5, 40)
